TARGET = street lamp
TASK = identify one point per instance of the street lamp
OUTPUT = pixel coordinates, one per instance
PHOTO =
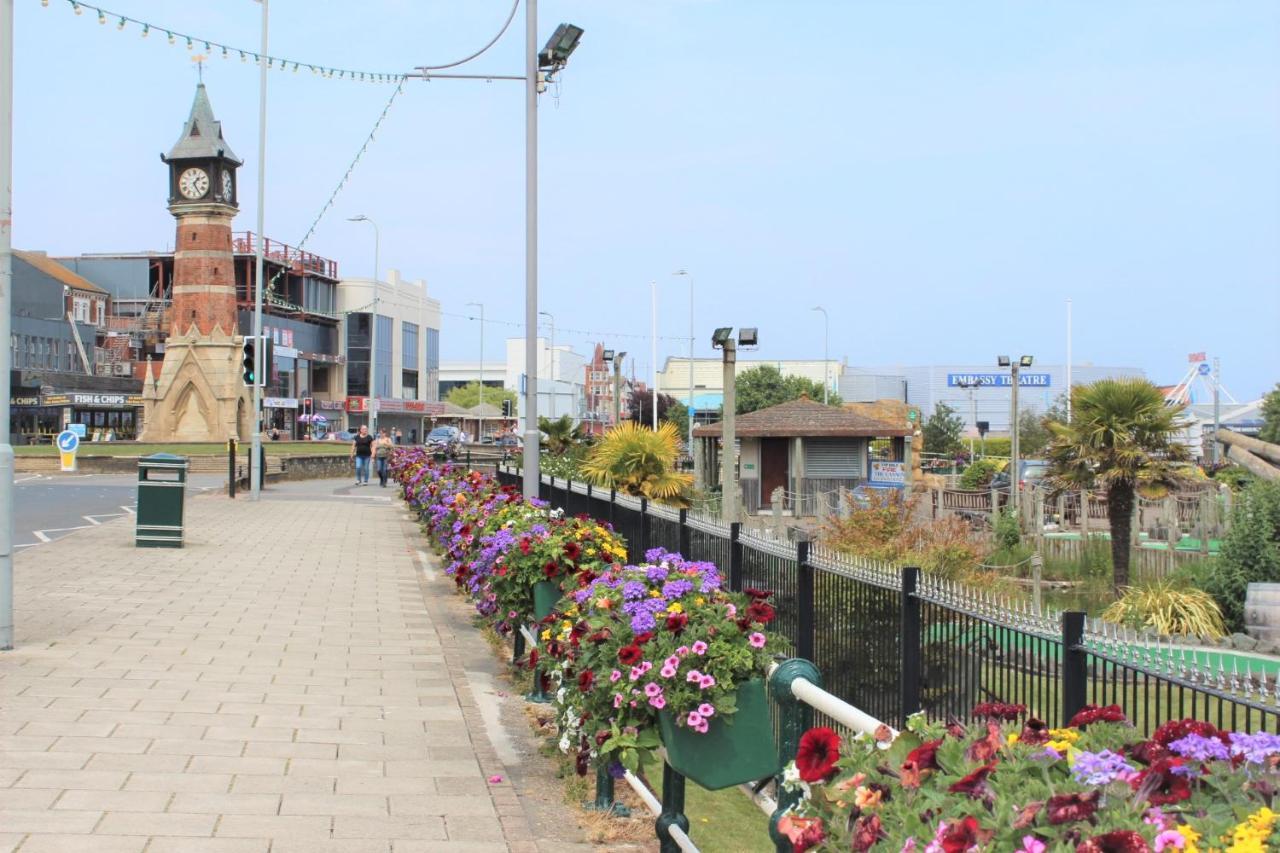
(826, 328)
(1014, 367)
(689, 411)
(969, 385)
(373, 329)
(617, 387)
(722, 339)
(480, 305)
(552, 360)
(260, 376)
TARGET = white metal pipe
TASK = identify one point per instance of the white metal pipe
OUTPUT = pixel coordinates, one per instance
(651, 802)
(259, 378)
(833, 706)
(6, 306)
(531, 441)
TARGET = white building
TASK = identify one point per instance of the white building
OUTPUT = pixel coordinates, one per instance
(407, 362)
(561, 377)
(457, 374)
(708, 377)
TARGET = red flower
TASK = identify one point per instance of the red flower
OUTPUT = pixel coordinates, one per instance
(975, 784)
(533, 658)
(803, 832)
(817, 755)
(962, 835)
(758, 611)
(757, 594)
(550, 569)
(630, 655)
(923, 757)
(1120, 841)
(866, 832)
(998, 711)
(985, 749)
(1034, 733)
(572, 551)
(1093, 714)
(1178, 729)
(676, 622)
(641, 639)
(586, 679)
(600, 636)
(1065, 808)
(524, 545)
(1161, 784)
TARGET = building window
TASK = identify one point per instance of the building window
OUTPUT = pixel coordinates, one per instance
(433, 349)
(386, 327)
(409, 384)
(409, 347)
(102, 313)
(358, 355)
(81, 309)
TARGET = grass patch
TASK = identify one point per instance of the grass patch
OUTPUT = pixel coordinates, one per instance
(211, 448)
(723, 821)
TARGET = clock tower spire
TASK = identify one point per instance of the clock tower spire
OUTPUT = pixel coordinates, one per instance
(202, 197)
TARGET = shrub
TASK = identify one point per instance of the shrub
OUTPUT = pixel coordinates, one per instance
(889, 529)
(1167, 609)
(995, 447)
(1250, 551)
(978, 474)
(1008, 535)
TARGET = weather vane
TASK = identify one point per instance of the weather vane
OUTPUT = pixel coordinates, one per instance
(199, 59)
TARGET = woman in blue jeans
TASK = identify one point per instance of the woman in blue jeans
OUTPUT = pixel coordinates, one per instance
(382, 448)
(362, 453)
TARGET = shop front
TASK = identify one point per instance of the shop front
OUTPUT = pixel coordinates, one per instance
(408, 416)
(37, 415)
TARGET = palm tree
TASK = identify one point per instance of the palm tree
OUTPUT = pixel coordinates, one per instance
(637, 461)
(1122, 439)
(561, 434)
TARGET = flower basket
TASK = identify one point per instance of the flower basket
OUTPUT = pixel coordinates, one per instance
(546, 595)
(739, 748)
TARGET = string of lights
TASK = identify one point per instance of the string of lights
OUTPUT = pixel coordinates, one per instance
(209, 46)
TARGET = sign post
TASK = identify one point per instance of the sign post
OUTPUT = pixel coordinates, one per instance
(68, 443)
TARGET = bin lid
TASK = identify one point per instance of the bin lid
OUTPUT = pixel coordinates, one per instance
(162, 459)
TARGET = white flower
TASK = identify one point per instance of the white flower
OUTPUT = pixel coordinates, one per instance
(560, 694)
(791, 781)
(564, 742)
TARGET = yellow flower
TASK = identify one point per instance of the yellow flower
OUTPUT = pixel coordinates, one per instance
(675, 607)
(546, 633)
(591, 552)
(653, 593)
(566, 624)
(1068, 735)
(699, 601)
(1191, 837)
(866, 798)
(1011, 739)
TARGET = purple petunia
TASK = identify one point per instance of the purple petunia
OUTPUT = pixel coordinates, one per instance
(1101, 768)
(1255, 748)
(1200, 748)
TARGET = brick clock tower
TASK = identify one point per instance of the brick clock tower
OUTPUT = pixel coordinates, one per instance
(199, 394)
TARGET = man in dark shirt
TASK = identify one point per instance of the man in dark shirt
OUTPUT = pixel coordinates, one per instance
(362, 453)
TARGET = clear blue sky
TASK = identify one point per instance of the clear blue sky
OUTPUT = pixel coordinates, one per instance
(941, 176)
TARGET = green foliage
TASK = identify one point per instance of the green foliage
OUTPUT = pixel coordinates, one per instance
(1168, 609)
(1250, 551)
(1122, 438)
(560, 435)
(978, 474)
(1235, 476)
(566, 466)
(1033, 435)
(635, 460)
(1271, 416)
(468, 396)
(942, 431)
(765, 386)
(1007, 534)
(640, 410)
(888, 528)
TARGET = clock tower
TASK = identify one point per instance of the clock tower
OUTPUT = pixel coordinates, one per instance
(199, 394)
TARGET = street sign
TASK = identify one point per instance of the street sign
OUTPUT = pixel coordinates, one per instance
(1204, 369)
(68, 441)
(79, 429)
(911, 414)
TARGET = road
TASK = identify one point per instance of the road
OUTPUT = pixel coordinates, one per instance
(50, 506)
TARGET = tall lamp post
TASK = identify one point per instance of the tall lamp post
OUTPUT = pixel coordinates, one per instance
(826, 329)
(970, 385)
(260, 376)
(689, 411)
(551, 361)
(722, 339)
(1014, 478)
(480, 305)
(373, 330)
(653, 352)
(617, 387)
(6, 305)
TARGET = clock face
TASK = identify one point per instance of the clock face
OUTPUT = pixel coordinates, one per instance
(227, 186)
(193, 183)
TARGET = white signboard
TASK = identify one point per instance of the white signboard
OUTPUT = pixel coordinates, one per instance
(889, 473)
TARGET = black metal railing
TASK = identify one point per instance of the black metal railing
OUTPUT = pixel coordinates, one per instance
(893, 640)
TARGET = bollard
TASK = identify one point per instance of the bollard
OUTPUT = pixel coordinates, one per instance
(517, 647)
(231, 467)
(672, 809)
(794, 719)
(604, 801)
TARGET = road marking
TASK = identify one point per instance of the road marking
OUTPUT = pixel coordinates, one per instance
(132, 510)
(17, 480)
(41, 534)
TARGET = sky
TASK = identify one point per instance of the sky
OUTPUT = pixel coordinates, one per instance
(940, 176)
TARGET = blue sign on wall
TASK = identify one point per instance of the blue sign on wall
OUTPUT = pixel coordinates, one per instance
(999, 380)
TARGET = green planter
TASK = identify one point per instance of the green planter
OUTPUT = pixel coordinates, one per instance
(737, 749)
(546, 595)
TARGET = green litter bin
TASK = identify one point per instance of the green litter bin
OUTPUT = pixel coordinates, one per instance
(162, 487)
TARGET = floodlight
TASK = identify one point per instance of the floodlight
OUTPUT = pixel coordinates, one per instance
(720, 335)
(1025, 361)
(619, 357)
(748, 337)
(608, 355)
(1003, 360)
(562, 43)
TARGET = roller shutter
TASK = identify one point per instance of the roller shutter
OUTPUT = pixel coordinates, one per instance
(833, 458)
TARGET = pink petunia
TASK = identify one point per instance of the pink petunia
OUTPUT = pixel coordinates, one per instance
(636, 672)
(658, 702)
(1170, 839)
(667, 672)
(615, 675)
(699, 647)
(652, 689)
(694, 719)
(682, 651)
(672, 661)
(645, 666)
(617, 700)
(706, 682)
(693, 677)
(706, 709)
(757, 640)
(1031, 844)
(702, 727)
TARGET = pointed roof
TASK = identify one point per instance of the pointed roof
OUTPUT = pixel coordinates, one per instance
(202, 134)
(57, 271)
(805, 417)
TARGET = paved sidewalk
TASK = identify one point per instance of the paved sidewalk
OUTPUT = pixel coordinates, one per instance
(277, 685)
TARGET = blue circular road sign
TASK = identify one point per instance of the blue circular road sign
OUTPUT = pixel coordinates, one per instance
(68, 441)
(1204, 369)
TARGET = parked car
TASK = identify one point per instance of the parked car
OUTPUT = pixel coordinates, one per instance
(509, 441)
(1031, 472)
(444, 440)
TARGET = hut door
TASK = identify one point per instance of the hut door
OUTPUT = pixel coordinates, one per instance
(773, 468)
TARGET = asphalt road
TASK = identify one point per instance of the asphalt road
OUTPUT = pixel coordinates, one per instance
(50, 506)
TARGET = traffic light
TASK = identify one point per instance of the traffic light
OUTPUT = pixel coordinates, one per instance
(247, 360)
(506, 408)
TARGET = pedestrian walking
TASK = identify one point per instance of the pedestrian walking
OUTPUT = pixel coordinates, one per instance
(382, 455)
(362, 453)
(399, 436)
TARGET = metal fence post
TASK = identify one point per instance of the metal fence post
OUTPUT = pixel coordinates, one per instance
(804, 601)
(910, 678)
(794, 719)
(517, 647)
(262, 467)
(672, 809)
(686, 535)
(231, 467)
(1075, 664)
(613, 503)
(644, 528)
(604, 801)
(735, 556)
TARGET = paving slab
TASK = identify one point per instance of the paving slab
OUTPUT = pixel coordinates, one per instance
(294, 678)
